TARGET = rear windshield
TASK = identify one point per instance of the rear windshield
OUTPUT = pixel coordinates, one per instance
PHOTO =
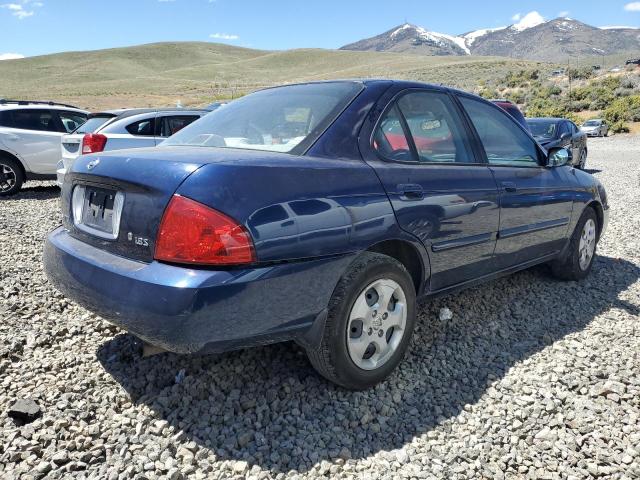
(93, 124)
(283, 119)
(542, 129)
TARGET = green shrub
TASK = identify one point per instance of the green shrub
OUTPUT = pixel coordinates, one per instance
(623, 109)
(582, 73)
(619, 127)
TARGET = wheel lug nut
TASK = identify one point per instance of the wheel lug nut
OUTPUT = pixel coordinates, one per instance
(370, 331)
(380, 333)
(375, 312)
(385, 315)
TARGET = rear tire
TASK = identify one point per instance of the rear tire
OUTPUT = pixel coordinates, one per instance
(11, 176)
(369, 324)
(582, 249)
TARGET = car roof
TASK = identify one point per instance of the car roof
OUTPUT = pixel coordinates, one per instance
(130, 112)
(39, 106)
(543, 119)
(371, 81)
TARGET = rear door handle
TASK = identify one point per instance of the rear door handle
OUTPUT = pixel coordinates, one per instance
(411, 191)
(509, 186)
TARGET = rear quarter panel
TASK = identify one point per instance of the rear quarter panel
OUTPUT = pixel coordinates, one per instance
(298, 207)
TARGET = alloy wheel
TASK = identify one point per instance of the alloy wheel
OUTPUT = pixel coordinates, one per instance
(7, 178)
(376, 324)
(587, 245)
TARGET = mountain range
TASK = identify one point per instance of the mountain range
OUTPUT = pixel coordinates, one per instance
(532, 38)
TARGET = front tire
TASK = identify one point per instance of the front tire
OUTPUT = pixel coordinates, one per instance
(583, 159)
(11, 176)
(370, 321)
(582, 249)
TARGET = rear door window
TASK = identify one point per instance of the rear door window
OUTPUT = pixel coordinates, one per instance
(504, 142)
(390, 140)
(174, 123)
(423, 126)
(142, 128)
(435, 128)
(35, 119)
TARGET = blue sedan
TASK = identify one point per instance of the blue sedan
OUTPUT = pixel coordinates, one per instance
(318, 213)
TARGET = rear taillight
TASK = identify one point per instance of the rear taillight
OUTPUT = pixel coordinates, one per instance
(191, 232)
(93, 142)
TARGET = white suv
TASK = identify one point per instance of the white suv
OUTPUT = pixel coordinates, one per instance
(30, 134)
(119, 129)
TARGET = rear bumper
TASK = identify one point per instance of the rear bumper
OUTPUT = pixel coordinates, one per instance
(60, 171)
(187, 310)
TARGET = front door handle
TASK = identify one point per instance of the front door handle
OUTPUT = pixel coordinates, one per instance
(411, 191)
(509, 186)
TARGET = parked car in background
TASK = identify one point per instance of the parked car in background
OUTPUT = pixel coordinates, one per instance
(513, 110)
(633, 61)
(595, 128)
(560, 132)
(30, 135)
(296, 213)
(120, 129)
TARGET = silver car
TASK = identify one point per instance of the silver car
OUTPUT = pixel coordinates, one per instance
(595, 128)
(120, 129)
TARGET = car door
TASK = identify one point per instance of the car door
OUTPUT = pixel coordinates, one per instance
(440, 190)
(36, 138)
(536, 202)
(577, 141)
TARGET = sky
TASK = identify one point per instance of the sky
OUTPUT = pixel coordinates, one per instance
(38, 27)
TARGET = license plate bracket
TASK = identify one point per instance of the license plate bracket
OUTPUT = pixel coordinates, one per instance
(97, 210)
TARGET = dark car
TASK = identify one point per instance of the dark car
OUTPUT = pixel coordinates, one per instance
(513, 110)
(318, 213)
(559, 132)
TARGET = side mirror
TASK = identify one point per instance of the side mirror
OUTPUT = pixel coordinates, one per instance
(557, 157)
(565, 136)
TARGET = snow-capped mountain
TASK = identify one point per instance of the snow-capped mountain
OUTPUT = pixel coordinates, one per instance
(532, 37)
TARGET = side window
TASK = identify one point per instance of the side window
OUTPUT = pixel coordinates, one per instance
(564, 128)
(71, 120)
(389, 139)
(435, 127)
(5, 119)
(142, 128)
(174, 124)
(32, 119)
(504, 142)
(573, 127)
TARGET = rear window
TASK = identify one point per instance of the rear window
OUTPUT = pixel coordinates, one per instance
(283, 119)
(93, 124)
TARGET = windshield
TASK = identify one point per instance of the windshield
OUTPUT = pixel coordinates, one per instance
(542, 129)
(93, 124)
(592, 123)
(277, 119)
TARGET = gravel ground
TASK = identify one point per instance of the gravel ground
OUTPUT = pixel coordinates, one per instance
(531, 378)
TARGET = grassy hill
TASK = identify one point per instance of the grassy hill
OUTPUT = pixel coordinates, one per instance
(197, 73)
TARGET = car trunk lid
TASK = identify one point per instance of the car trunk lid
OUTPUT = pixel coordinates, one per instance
(116, 200)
